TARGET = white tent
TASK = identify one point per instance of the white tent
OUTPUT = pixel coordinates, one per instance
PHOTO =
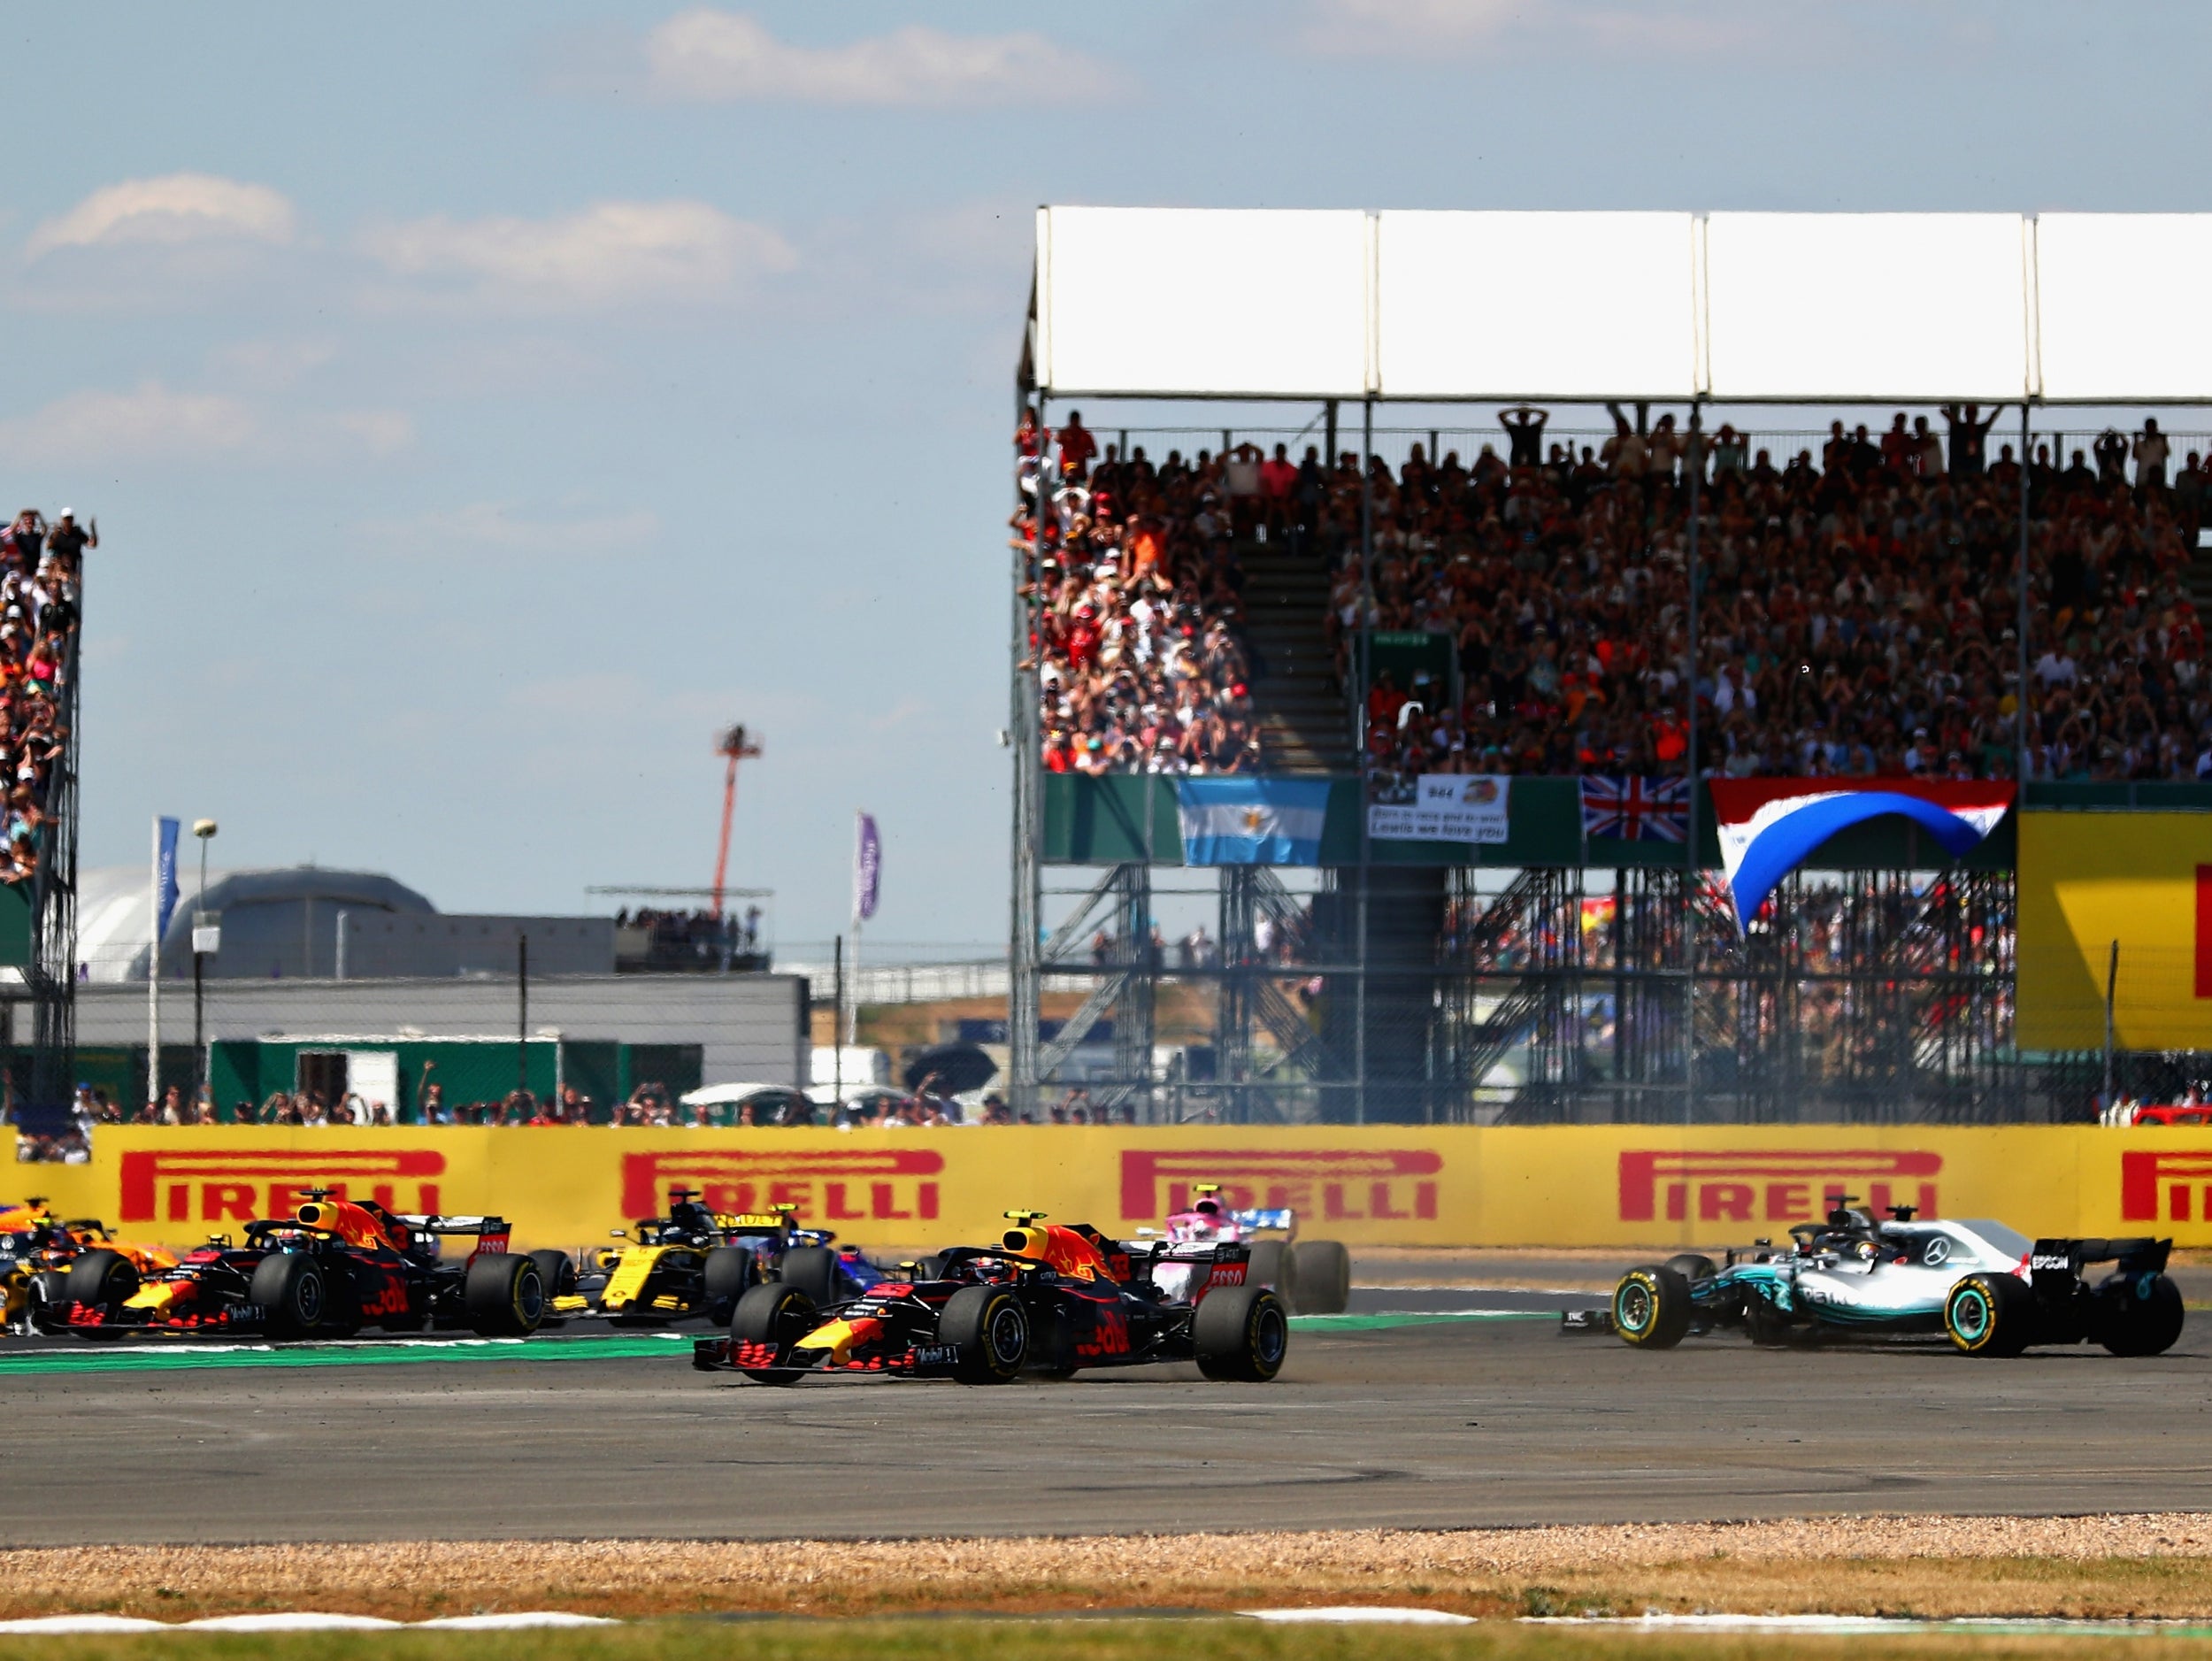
(1800, 308)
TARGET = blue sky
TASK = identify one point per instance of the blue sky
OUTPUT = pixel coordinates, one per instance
(481, 405)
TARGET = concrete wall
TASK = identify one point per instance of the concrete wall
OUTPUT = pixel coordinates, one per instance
(751, 1027)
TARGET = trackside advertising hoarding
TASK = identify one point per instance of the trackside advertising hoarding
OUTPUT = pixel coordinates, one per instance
(1568, 1186)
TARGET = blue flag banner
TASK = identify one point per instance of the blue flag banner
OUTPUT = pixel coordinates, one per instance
(165, 873)
(1239, 821)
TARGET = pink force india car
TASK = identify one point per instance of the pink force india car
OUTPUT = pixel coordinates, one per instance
(1311, 1277)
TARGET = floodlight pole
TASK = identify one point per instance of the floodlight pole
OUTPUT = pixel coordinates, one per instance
(1694, 453)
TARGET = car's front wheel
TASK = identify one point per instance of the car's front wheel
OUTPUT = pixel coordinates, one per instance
(991, 1328)
(1241, 1333)
(1651, 1307)
(502, 1295)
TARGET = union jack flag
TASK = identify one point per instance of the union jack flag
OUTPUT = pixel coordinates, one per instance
(1637, 810)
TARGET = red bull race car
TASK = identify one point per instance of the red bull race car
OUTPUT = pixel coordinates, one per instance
(1047, 1299)
(42, 1256)
(333, 1267)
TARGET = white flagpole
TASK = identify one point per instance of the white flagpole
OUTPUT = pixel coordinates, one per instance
(153, 977)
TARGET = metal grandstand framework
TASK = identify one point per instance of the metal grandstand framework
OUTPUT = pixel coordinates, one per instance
(1557, 993)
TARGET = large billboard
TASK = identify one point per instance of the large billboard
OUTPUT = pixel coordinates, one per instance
(2141, 881)
(1621, 1187)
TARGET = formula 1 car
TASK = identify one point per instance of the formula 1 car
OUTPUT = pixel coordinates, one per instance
(698, 1262)
(1990, 1290)
(1312, 1276)
(1049, 1299)
(39, 1251)
(334, 1267)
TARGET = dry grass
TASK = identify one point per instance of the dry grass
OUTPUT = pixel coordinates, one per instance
(2102, 1567)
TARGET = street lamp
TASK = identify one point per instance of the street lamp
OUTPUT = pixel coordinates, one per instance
(207, 937)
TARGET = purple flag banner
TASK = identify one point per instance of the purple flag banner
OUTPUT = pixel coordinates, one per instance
(867, 868)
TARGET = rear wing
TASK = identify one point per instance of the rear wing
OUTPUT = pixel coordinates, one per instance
(492, 1233)
(2135, 1253)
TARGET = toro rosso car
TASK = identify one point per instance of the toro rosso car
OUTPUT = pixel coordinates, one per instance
(334, 1267)
(1047, 1299)
(1990, 1290)
(698, 1262)
(1312, 1276)
(39, 1251)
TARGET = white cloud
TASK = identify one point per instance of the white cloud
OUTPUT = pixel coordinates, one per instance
(1421, 28)
(726, 57)
(503, 527)
(153, 422)
(176, 209)
(609, 254)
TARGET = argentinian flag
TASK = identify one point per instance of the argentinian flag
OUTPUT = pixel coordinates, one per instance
(1239, 821)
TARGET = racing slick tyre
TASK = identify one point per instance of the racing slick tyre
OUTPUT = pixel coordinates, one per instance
(813, 1271)
(1324, 1277)
(1651, 1307)
(557, 1272)
(100, 1278)
(1271, 1264)
(45, 1299)
(2140, 1317)
(1241, 1333)
(1989, 1315)
(992, 1330)
(502, 1295)
(770, 1313)
(730, 1272)
(294, 1297)
(1693, 1267)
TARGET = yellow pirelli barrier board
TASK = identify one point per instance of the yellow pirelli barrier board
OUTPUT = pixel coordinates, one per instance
(1570, 1186)
(2090, 881)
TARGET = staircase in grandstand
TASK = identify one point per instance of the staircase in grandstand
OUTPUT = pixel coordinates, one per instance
(1295, 697)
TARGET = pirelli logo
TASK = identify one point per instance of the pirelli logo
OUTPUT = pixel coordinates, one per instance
(1770, 1184)
(238, 1185)
(2166, 1185)
(835, 1186)
(1336, 1184)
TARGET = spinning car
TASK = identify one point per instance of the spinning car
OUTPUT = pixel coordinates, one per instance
(1312, 1276)
(38, 1250)
(1992, 1291)
(1049, 1299)
(334, 1267)
(698, 1262)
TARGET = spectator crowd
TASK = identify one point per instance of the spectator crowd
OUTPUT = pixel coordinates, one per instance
(40, 569)
(1134, 596)
(1858, 612)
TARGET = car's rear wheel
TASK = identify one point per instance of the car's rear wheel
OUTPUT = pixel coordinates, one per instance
(730, 1272)
(100, 1278)
(1323, 1273)
(293, 1293)
(774, 1315)
(1273, 1264)
(1989, 1315)
(1651, 1307)
(502, 1295)
(813, 1271)
(1241, 1333)
(2140, 1318)
(991, 1328)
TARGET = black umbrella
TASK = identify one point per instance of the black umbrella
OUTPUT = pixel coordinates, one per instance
(958, 1068)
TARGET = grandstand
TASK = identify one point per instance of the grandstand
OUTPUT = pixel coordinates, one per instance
(42, 578)
(1986, 569)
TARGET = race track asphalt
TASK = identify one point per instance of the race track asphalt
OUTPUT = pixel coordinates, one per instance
(1458, 1423)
